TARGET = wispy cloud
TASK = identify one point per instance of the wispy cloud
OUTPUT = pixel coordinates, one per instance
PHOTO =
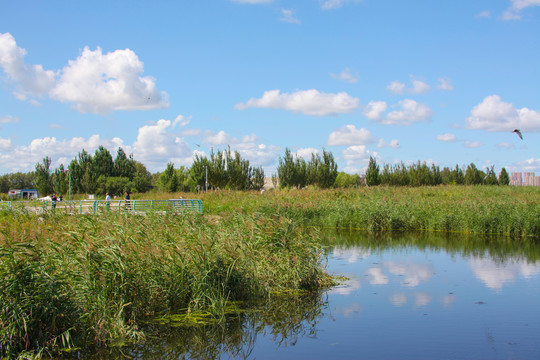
(346, 76)
(8, 119)
(288, 16)
(334, 4)
(516, 7)
(445, 84)
(483, 15)
(252, 1)
(447, 137)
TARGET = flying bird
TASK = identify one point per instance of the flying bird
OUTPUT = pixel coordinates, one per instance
(519, 133)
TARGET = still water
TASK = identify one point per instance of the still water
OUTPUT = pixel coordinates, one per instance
(406, 297)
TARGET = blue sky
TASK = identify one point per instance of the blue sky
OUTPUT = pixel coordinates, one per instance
(435, 81)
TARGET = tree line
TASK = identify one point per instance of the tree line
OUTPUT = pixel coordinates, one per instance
(99, 173)
(420, 174)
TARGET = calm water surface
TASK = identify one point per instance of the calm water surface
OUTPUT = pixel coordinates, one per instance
(406, 297)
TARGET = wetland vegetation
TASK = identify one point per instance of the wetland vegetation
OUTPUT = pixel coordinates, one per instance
(67, 280)
(71, 281)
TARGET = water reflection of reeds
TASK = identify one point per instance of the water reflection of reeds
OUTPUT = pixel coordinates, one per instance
(282, 318)
(499, 248)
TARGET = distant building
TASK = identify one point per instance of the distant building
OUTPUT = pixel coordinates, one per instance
(528, 179)
(28, 194)
(515, 179)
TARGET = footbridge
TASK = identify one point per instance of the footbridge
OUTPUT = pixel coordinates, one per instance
(79, 207)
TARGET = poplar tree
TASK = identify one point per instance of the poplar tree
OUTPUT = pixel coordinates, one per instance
(372, 173)
(504, 179)
(42, 177)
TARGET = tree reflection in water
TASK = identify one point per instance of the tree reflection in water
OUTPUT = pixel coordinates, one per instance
(285, 318)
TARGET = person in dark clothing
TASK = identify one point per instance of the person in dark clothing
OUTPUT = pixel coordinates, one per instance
(127, 198)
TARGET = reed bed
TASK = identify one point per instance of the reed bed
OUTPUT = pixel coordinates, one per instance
(73, 279)
(501, 210)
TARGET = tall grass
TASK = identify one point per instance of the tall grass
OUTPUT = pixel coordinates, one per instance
(504, 210)
(68, 279)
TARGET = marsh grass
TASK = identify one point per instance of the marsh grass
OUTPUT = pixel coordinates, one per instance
(502, 210)
(73, 279)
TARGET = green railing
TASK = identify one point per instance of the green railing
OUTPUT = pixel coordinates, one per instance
(101, 206)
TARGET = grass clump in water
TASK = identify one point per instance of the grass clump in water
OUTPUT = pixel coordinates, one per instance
(66, 280)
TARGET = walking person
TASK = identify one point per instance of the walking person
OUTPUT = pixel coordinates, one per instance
(107, 201)
(54, 199)
(127, 198)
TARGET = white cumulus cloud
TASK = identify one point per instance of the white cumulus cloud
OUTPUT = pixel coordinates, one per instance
(99, 83)
(306, 153)
(5, 144)
(357, 155)
(248, 146)
(308, 102)
(396, 87)
(374, 110)
(418, 87)
(531, 164)
(156, 145)
(492, 115)
(349, 135)
(29, 79)
(409, 113)
(94, 82)
(24, 158)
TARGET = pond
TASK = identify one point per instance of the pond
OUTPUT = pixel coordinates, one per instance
(407, 296)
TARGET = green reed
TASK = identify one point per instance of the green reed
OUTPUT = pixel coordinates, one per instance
(71, 279)
(504, 210)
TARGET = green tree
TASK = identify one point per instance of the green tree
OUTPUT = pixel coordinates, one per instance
(312, 169)
(142, 178)
(257, 180)
(472, 175)
(238, 171)
(197, 172)
(60, 180)
(18, 180)
(102, 163)
(286, 169)
(124, 166)
(217, 172)
(169, 179)
(372, 173)
(504, 179)
(42, 176)
(327, 172)
(344, 180)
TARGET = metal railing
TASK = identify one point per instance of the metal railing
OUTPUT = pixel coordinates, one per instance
(102, 206)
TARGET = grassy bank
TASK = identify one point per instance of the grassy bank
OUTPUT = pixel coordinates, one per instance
(70, 279)
(505, 210)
